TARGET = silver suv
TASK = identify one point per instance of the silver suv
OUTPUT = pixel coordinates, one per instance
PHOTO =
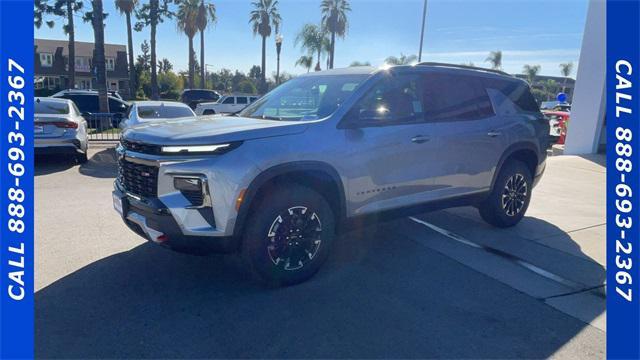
(279, 179)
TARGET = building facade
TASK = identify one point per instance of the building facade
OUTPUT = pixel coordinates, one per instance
(52, 67)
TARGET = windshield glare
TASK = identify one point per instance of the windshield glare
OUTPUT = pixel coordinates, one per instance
(51, 108)
(163, 112)
(305, 98)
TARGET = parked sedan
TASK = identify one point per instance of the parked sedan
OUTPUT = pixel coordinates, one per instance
(144, 111)
(59, 128)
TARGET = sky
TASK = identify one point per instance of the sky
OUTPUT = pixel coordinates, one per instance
(534, 32)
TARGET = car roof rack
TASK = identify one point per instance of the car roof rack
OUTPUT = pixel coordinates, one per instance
(469, 67)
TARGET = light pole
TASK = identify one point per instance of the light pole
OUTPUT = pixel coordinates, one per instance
(278, 48)
(206, 68)
(424, 18)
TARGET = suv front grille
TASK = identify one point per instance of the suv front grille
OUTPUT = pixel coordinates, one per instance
(141, 147)
(138, 179)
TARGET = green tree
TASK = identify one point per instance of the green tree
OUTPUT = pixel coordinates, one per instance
(152, 14)
(495, 58)
(187, 23)
(41, 9)
(402, 60)
(359, 63)
(531, 72)
(334, 20)
(169, 85)
(565, 70)
(306, 61)
(97, 21)
(262, 18)
(67, 9)
(164, 66)
(127, 7)
(206, 16)
(311, 38)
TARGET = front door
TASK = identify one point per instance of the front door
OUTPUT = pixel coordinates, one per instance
(390, 147)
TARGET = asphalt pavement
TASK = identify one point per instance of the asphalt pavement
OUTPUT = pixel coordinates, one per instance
(437, 285)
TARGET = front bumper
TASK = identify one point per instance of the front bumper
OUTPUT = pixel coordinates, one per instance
(153, 221)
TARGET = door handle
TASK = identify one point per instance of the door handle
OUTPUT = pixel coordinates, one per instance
(494, 133)
(420, 139)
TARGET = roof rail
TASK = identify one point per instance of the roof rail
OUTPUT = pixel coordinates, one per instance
(464, 67)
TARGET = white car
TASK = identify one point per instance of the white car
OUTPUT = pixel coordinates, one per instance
(225, 105)
(59, 128)
(144, 111)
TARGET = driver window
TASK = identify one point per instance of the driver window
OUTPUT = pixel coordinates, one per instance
(394, 100)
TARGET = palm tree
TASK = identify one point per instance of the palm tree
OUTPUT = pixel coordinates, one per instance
(566, 70)
(67, 9)
(187, 17)
(531, 71)
(495, 58)
(98, 54)
(550, 86)
(306, 61)
(402, 60)
(127, 7)
(263, 17)
(334, 20)
(151, 15)
(40, 9)
(206, 16)
(312, 38)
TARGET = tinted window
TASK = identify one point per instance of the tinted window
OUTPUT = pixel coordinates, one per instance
(241, 100)
(228, 100)
(252, 99)
(86, 103)
(517, 92)
(116, 106)
(164, 112)
(394, 99)
(200, 95)
(450, 97)
(51, 107)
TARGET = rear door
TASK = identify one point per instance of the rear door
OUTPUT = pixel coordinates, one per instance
(470, 148)
(241, 103)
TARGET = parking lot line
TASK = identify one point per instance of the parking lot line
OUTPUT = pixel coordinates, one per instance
(514, 259)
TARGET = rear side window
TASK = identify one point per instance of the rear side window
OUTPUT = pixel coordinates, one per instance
(241, 100)
(517, 92)
(451, 97)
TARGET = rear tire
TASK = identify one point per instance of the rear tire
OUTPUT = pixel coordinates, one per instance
(82, 158)
(509, 199)
(288, 235)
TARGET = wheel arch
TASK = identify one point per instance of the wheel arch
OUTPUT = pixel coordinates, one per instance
(523, 151)
(316, 175)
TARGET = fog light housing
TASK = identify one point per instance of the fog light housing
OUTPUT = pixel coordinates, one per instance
(187, 184)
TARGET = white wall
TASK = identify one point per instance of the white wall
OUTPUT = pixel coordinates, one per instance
(588, 108)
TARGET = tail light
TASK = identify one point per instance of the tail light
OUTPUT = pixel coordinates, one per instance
(62, 124)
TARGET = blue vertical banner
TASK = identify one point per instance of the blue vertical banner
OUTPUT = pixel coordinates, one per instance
(16, 179)
(623, 182)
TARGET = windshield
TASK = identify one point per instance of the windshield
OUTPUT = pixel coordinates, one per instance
(51, 107)
(305, 98)
(163, 112)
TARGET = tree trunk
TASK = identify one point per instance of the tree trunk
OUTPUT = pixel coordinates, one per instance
(72, 46)
(333, 49)
(98, 56)
(132, 69)
(318, 68)
(153, 12)
(191, 65)
(203, 66)
(263, 72)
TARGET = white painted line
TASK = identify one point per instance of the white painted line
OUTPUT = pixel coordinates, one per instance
(525, 264)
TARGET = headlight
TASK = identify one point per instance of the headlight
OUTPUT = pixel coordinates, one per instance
(200, 149)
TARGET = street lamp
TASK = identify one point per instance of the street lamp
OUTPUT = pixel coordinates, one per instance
(206, 72)
(278, 48)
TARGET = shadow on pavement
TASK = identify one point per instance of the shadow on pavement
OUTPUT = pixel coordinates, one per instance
(380, 295)
(102, 164)
(49, 164)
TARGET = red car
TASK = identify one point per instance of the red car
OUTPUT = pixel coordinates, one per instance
(558, 121)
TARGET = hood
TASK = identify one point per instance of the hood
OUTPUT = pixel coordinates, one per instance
(208, 130)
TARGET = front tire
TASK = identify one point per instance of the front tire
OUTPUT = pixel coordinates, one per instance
(288, 235)
(510, 196)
